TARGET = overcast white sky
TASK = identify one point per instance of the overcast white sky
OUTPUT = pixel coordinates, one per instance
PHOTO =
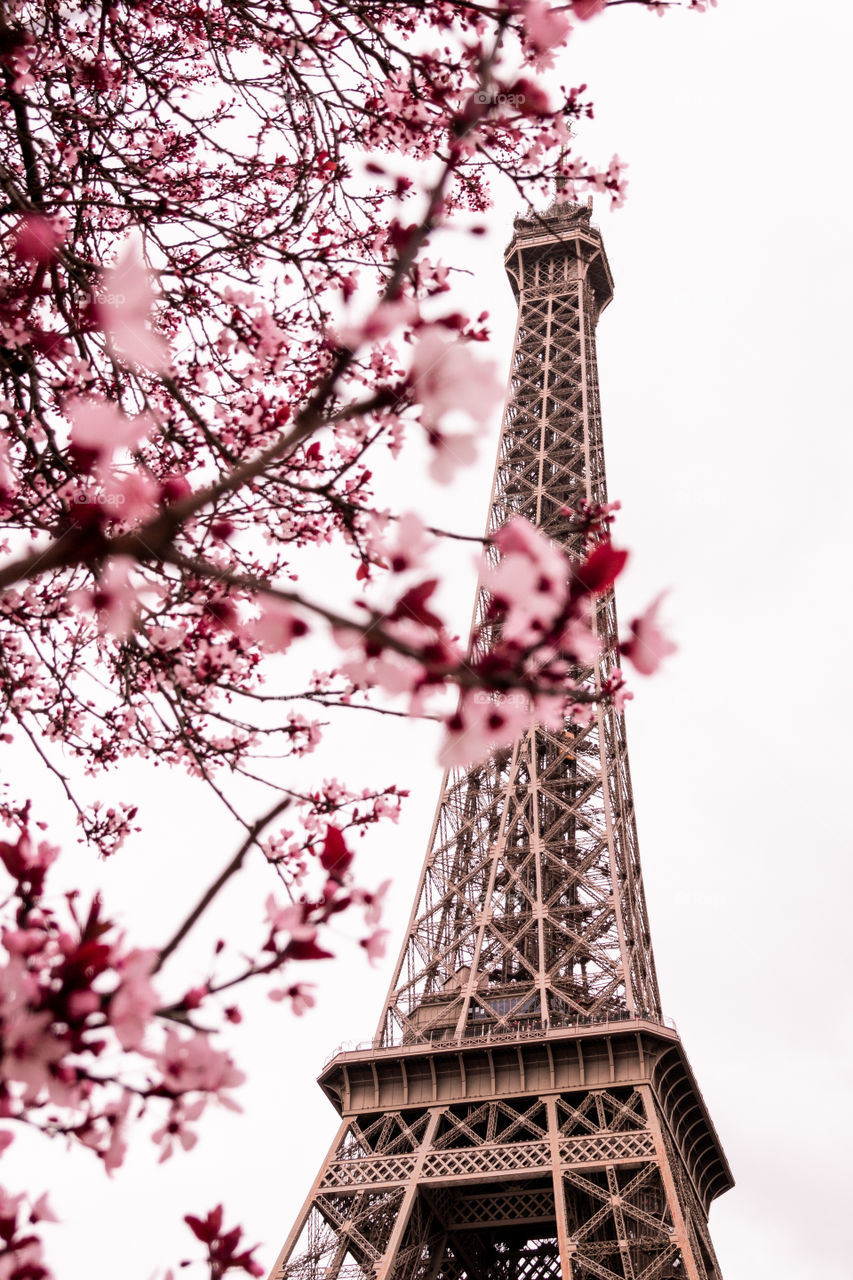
(725, 375)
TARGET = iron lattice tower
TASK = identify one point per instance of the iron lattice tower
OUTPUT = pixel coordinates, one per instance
(525, 1111)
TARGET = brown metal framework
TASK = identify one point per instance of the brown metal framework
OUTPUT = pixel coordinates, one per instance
(524, 1111)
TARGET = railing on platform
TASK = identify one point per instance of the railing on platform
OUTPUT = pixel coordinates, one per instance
(532, 1029)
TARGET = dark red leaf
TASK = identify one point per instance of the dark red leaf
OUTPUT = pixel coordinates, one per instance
(601, 568)
(305, 949)
(335, 857)
(412, 604)
(201, 1230)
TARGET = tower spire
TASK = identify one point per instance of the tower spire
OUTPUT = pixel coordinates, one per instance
(524, 1108)
(530, 911)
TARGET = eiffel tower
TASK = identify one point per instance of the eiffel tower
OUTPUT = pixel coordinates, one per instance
(525, 1110)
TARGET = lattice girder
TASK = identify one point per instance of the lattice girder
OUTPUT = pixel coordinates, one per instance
(531, 901)
(523, 1112)
(504, 1173)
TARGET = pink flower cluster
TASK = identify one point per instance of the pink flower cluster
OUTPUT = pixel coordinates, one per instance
(68, 994)
(62, 991)
(222, 1246)
(536, 649)
(21, 1256)
(295, 928)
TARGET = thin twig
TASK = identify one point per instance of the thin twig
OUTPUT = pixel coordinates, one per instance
(233, 867)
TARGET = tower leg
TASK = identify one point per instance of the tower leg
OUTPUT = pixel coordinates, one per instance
(385, 1267)
(563, 1239)
(682, 1238)
(299, 1224)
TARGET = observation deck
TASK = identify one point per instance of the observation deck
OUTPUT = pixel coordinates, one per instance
(601, 1052)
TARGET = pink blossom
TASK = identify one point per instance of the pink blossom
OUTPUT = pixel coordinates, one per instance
(519, 535)
(585, 9)
(582, 713)
(335, 856)
(190, 1064)
(396, 428)
(612, 182)
(300, 996)
(445, 378)
(376, 944)
(37, 238)
(617, 689)
(387, 807)
(382, 321)
(111, 1144)
(277, 626)
(99, 428)
(174, 1128)
(134, 1001)
(289, 919)
(648, 645)
(22, 1260)
(530, 582)
(166, 639)
(580, 642)
(174, 489)
(449, 453)
(390, 315)
(113, 599)
(482, 722)
(544, 26)
(600, 569)
(510, 583)
(550, 711)
(81, 1003)
(123, 309)
(129, 495)
(372, 902)
(391, 671)
(407, 548)
(9, 1205)
(19, 57)
(8, 481)
(531, 98)
(42, 1211)
(31, 1050)
(222, 1245)
(27, 862)
(23, 942)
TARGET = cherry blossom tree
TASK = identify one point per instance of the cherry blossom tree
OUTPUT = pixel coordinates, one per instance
(220, 306)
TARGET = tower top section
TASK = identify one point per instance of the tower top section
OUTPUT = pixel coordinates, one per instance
(550, 250)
